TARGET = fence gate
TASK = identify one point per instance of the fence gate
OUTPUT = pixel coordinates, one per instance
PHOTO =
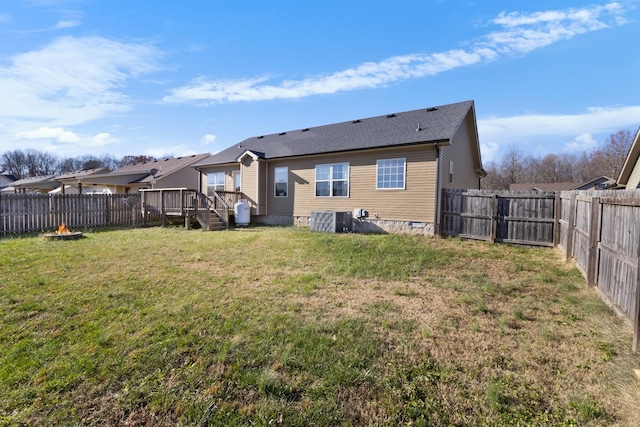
(500, 216)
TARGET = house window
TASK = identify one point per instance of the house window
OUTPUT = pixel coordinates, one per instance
(332, 180)
(390, 174)
(281, 182)
(215, 182)
(451, 171)
(237, 182)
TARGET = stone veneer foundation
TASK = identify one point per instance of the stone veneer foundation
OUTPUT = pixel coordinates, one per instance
(359, 226)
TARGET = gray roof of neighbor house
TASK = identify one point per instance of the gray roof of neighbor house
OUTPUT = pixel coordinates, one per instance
(44, 182)
(80, 173)
(543, 186)
(148, 172)
(427, 125)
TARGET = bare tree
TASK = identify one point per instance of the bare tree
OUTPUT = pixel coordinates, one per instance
(512, 167)
(610, 158)
(13, 162)
(129, 160)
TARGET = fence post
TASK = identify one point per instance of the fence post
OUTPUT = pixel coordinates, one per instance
(162, 210)
(571, 226)
(494, 218)
(636, 320)
(594, 234)
(557, 208)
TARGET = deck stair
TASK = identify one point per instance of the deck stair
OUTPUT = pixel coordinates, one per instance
(215, 222)
(211, 213)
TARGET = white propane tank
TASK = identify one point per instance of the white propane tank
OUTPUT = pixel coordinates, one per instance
(242, 212)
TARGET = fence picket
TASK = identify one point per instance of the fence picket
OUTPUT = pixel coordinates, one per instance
(25, 213)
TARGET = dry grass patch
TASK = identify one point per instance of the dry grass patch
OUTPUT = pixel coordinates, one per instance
(283, 326)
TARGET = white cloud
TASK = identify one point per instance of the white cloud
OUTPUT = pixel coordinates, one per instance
(103, 139)
(520, 34)
(581, 143)
(72, 80)
(488, 151)
(207, 139)
(549, 132)
(66, 24)
(56, 133)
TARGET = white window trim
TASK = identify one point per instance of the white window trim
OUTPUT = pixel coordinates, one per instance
(275, 182)
(209, 185)
(331, 180)
(404, 174)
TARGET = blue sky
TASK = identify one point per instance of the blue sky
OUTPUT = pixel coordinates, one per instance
(176, 78)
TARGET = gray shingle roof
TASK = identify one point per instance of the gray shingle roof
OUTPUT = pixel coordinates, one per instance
(435, 124)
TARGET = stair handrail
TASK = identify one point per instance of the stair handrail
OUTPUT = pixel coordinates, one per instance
(219, 206)
(201, 208)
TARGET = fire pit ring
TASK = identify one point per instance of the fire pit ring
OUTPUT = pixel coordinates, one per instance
(72, 235)
(63, 233)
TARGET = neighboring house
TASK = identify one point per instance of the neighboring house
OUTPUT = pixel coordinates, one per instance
(34, 184)
(543, 186)
(170, 173)
(599, 183)
(630, 174)
(6, 180)
(392, 166)
(71, 183)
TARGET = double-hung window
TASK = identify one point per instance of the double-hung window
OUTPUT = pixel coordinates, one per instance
(332, 180)
(281, 182)
(215, 182)
(391, 174)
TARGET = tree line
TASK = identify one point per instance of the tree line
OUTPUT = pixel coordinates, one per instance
(30, 163)
(515, 167)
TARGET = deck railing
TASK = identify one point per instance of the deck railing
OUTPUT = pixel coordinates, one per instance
(187, 202)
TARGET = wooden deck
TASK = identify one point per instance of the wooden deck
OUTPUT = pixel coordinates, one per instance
(211, 212)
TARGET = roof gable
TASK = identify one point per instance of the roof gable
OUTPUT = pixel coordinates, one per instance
(631, 160)
(428, 125)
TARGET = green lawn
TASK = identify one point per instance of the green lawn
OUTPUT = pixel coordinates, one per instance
(281, 326)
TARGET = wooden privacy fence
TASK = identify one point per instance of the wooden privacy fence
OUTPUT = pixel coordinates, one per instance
(500, 216)
(600, 230)
(23, 213)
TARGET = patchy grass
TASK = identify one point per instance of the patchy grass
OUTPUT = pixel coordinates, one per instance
(283, 326)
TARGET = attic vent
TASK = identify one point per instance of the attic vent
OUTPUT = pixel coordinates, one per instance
(390, 115)
(356, 121)
(260, 137)
(432, 109)
(282, 133)
(305, 129)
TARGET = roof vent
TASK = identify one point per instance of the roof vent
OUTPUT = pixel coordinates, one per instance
(282, 133)
(432, 109)
(305, 129)
(390, 115)
(419, 128)
(356, 121)
(260, 137)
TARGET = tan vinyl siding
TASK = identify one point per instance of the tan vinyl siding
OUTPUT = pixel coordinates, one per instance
(459, 154)
(415, 203)
(249, 171)
(185, 178)
(228, 176)
(261, 188)
(634, 177)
